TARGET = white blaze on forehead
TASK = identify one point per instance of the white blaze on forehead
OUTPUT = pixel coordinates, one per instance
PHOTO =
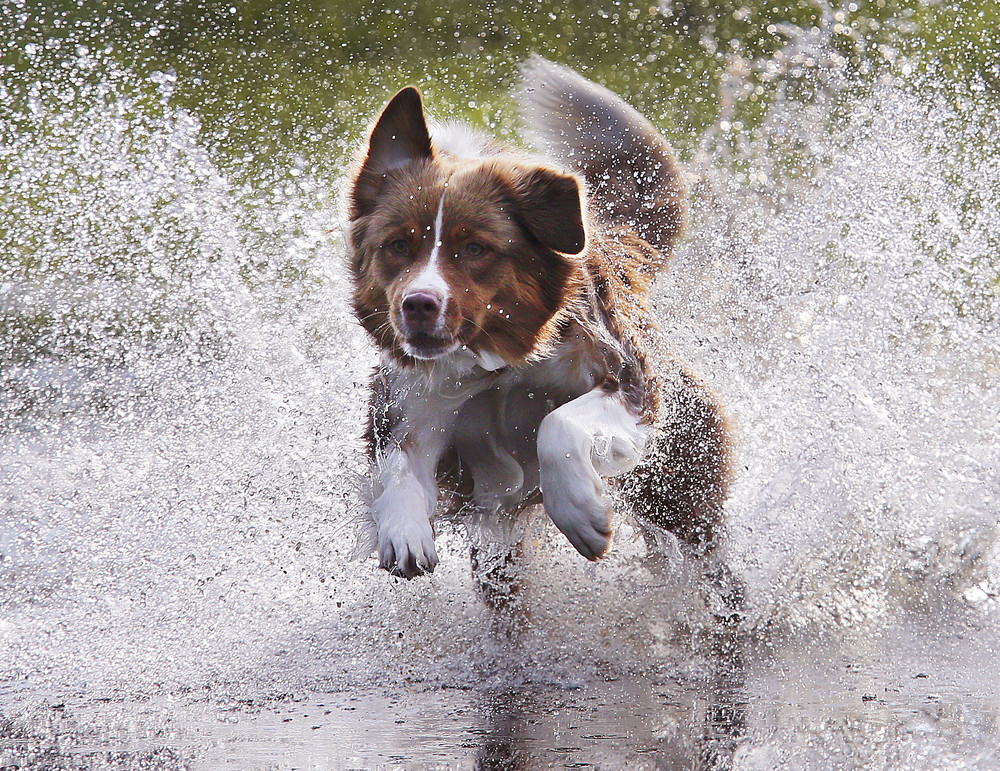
(430, 279)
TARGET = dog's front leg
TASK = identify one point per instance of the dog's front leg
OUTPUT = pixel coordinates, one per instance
(593, 436)
(406, 493)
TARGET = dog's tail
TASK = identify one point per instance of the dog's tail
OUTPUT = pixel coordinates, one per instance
(630, 169)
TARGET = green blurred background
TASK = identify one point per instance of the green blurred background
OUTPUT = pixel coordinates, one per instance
(267, 78)
(145, 145)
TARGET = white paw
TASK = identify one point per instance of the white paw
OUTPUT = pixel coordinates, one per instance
(573, 496)
(406, 547)
(584, 519)
(572, 492)
(589, 437)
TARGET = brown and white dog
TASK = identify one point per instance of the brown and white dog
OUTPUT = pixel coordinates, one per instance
(509, 308)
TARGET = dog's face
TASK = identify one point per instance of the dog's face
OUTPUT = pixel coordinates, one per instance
(450, 253)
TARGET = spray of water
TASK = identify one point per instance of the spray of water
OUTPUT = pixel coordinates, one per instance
(184, 389)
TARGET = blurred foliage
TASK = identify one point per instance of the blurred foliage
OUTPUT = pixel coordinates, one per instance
(269, 79)
(110, 207)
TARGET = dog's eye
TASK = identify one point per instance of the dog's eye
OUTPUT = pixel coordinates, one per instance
(474, 250)
(399, 246)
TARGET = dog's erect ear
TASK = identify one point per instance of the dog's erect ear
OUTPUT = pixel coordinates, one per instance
(550, 206)
(400, 137)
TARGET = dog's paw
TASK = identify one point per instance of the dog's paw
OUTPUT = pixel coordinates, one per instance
(584, 519)
(573, 496)
(572, 491)
(406, 548)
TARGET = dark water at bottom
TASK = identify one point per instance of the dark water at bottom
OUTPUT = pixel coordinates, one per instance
(878, 702)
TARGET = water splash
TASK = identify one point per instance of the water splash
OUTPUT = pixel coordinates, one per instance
(185, 389)
(853, 314)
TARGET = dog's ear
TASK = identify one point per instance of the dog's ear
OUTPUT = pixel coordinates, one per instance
(550, 205)
(400, 137)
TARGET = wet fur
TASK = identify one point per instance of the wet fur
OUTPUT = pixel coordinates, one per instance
(518, 372)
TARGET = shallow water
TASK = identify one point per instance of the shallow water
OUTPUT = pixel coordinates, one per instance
(891, 703)
(182, 390)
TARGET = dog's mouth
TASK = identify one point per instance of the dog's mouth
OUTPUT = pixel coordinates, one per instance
(420, 345)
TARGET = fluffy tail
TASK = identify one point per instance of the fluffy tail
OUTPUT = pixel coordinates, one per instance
(630, 169)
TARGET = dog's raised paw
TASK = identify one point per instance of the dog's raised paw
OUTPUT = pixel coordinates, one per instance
(585, 521)
(406, 549)
(572, 491)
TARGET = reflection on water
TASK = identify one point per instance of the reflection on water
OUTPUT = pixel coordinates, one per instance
(619, 723)
(615, 725)
(818, 705)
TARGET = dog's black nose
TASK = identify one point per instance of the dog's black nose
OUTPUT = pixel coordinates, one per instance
(421, 311)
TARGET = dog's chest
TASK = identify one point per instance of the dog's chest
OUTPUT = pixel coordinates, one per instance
(496, 431)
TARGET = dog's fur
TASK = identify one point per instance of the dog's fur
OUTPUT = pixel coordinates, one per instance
(509, 307)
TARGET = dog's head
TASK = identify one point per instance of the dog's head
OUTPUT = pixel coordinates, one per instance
(448, 253)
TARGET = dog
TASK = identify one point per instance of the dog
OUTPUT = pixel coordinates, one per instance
(507, 295)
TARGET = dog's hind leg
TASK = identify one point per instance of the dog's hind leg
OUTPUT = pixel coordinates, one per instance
(497, 582)
(681, 485)
(682, 482)
(497, 563)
